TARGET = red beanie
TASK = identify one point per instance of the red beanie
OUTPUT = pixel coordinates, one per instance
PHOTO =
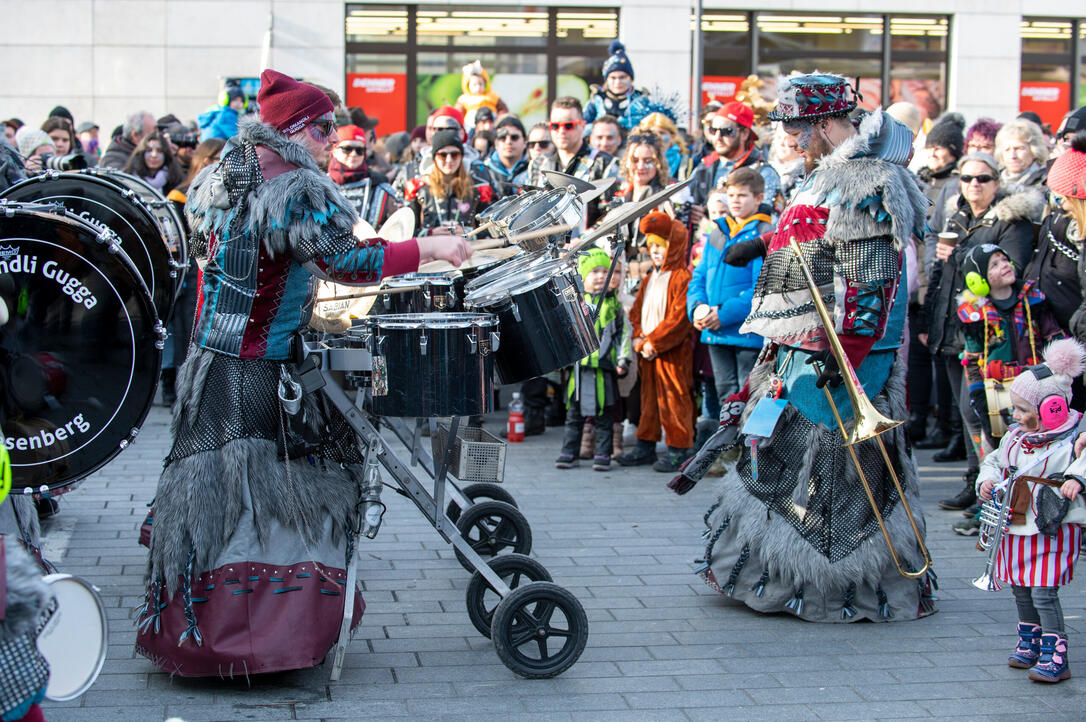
(350, 132)
(451, 112)
(1067, 176)
(288, 105)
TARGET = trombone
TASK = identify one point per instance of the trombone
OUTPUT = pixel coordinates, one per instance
(869, 423)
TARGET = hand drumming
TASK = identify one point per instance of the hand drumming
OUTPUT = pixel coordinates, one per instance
(454, 249)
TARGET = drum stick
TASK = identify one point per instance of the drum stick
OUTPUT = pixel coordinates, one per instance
(517, 238)
(486, 226)
(372, 292)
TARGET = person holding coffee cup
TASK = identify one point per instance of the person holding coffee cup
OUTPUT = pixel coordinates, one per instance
(983, 211)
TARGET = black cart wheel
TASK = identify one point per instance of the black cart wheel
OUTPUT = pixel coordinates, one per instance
(492, 527)
(481, 491)
(539, 630)
(514, 569)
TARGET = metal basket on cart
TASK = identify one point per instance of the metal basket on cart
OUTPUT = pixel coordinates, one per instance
(477, 455)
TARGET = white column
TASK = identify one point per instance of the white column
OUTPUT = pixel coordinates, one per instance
(657, 38)
(985, 63)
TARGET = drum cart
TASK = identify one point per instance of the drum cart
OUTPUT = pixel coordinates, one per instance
(539, 628)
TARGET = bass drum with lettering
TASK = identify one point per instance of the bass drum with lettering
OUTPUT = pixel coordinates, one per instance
(169, 222)
(80, 345)
(108, 203)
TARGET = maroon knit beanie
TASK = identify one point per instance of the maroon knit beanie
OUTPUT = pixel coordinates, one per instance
(287, 105)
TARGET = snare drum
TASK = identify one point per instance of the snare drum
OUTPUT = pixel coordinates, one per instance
(435, 292)
(545, 323)
(561, 206)
(73, 641)
(433, 364)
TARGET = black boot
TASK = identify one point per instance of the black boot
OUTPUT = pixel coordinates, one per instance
(917, 426)
(167, 379)
(533, 422)
(967, 496)
(642, 454)
(937, 439)
(955, 451)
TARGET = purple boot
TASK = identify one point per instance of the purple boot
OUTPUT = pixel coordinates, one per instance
(1028, 650)
(1052, 666)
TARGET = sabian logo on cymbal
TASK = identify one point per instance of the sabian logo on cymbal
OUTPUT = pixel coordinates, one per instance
(8, 251)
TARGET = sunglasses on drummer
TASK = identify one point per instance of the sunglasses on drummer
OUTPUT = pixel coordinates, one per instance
(567, 125)
(321, 129)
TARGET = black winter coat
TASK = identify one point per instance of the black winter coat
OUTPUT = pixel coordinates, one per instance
(1056, 266)
(1007, 224)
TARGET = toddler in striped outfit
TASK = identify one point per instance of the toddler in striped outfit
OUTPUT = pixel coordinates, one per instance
(1037, 553)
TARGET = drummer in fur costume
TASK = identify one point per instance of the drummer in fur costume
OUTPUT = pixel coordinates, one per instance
(252, 519)
(792, 530)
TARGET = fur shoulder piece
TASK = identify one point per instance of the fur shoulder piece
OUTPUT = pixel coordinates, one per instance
(296, 207)
(1021, 203)
(27, 594)
(251, 130)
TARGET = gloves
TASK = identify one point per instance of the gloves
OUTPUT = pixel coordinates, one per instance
(744, 252)
(978, 401)
(831, 372)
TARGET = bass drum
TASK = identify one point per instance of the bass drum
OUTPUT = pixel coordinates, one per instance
(106, 204)
(169, 222)
(80, 350)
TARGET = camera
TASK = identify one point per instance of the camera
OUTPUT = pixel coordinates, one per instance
(185, 140)
(72, 161)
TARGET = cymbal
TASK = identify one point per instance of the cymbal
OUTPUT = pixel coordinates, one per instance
(599, 187)
(627, 213)
(558, 179)
(400, 226)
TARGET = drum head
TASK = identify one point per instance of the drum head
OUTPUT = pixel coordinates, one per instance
(169, 222)
(73, 641)
(104, 201)
(79, 355)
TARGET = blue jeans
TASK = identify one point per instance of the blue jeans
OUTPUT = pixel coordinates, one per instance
(731, 367)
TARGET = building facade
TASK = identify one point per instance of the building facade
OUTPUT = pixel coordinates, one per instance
(105, 58)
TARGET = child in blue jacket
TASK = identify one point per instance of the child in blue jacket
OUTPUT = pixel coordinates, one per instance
(718, 299)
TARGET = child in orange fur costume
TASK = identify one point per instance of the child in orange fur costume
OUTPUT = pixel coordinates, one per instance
(661, 333)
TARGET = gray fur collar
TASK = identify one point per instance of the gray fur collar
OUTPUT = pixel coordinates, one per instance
(27, 594)
(252, 130)
(1012, 203)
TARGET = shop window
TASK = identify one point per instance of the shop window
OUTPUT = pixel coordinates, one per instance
(377, 24)
(586, 27)
(471, 25)
(819, 33)
(1045, 85)
(520, 79)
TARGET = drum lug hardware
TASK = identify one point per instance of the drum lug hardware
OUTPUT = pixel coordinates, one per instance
(473, 340)
(495, 341)
(160, 331)
(422, 345)
(516, 312)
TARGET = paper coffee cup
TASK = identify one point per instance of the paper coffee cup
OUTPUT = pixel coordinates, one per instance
(948, 238)
(700, 312)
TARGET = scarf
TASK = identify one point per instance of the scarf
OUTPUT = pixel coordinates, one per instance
(1041, 438)
(654, 306)
(158, 180)
(343, 175)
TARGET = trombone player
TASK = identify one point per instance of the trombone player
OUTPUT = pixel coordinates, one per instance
(813, 516)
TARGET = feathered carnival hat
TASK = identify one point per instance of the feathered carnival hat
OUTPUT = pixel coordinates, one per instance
(809, 97)
(1064, 360)
(617, 60)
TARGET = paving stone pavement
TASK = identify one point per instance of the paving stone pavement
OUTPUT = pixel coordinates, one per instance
(662, 646)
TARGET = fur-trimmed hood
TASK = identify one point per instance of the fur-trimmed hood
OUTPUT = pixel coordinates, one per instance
(1012, 203)
(27, 594)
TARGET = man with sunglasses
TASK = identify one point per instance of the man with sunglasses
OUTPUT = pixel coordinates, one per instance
(731, 130)
(509, 157)
(373, 200)
(792, 530)
(574, 156)
(257, 496)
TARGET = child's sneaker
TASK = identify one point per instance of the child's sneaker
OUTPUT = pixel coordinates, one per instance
(1027, 652)
(1052, 665)
(566, 461)
(601, 463)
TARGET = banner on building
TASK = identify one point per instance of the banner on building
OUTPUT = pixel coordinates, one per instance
(721, 88)
(1051, 101)
(382, 96)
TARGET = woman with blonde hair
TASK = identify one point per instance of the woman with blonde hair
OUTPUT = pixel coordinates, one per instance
(643, 172)
(672, 143)
(447, 200)
(1022, 153)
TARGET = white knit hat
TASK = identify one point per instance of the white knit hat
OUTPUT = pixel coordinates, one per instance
(28, 140)
(1065, 359)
